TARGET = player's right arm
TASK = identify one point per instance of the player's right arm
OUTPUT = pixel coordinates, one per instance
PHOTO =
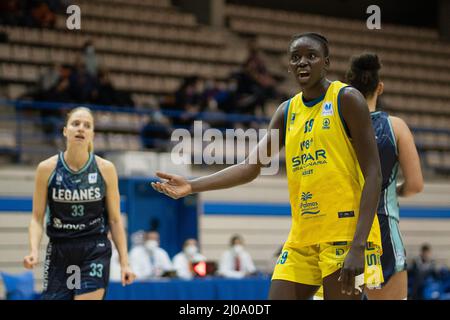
(36, 229)
(241, 173)
(408, 159)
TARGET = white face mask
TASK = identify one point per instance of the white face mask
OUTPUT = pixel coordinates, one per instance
(151, 244)
(191, 250)
(238, 248)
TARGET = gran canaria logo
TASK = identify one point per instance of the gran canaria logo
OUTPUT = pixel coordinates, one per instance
(306, 207)
(306, 196)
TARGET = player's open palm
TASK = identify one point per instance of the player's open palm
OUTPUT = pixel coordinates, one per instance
(174, 186)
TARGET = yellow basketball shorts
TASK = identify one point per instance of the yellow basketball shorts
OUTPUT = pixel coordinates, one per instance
(309, 265)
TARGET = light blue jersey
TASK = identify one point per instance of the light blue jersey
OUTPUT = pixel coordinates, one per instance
(393, 259)
(387, 149)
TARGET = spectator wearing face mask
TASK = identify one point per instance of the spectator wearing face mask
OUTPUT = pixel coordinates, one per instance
(148, 260)
(90, 58)
(236, 262)
(185, 260)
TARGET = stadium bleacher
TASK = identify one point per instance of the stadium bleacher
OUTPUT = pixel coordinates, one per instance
(149, 57)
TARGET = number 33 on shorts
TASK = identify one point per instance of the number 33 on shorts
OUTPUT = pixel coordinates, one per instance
(96, 270)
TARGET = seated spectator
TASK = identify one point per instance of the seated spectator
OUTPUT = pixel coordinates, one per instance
(236, 262)
(53, 86)
(188, 100)
(90, 58)
(104, 92)
(49, 78)
(255, 85)
(225, 95)
(149, 261)
(184, 261)
(42, 15)
(155, 134)
(422, 267)
(11, 12)
(138, 238)
(82, 84)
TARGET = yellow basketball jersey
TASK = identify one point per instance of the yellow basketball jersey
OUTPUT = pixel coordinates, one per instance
(324, 177)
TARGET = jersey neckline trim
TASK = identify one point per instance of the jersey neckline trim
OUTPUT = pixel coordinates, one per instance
(313, 102)
(84, 168)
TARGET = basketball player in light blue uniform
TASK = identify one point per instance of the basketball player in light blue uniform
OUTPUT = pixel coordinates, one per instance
(396, 149)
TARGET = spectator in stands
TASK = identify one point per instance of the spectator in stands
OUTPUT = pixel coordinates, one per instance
(185, 260)
(255, 84)
(225, 95)
(49, 78)
(214, 116)
(155, 134)
(82, 84)
(42, 15)
(90, 58)
(104, 92)
(422, 267)
(60, 91)
(53, 86)
(236, 262)
(58, 6)
(149, 261)
(188, 99)
(138, 238)
(11, 12)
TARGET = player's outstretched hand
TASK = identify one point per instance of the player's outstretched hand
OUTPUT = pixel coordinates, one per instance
(174, 186)
(127, 276)
(30, 261)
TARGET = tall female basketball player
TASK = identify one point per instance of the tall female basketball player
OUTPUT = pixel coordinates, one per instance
(334, 180)
(77, 193)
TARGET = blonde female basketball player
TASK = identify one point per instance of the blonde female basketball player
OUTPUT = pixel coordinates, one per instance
(78, 194)
(334, 180)
(396, 147)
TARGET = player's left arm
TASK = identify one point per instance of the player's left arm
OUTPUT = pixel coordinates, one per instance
(408, 158)
(109, 174)
(357, 118)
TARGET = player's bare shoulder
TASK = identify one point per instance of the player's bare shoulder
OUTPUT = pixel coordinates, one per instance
(47, 166)
(398, 122)
(399, 125)
(45, 169)
(106, 167)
